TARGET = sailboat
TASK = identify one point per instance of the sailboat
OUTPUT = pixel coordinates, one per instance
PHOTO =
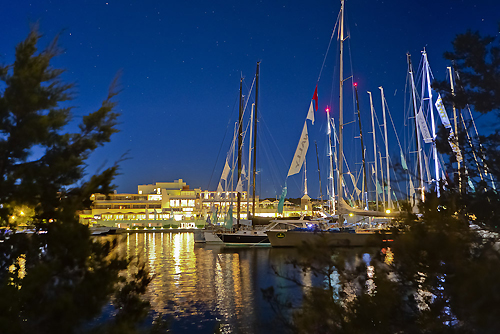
(243, 233)
(336, 236)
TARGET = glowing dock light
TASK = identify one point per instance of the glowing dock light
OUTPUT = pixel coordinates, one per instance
(388, 211)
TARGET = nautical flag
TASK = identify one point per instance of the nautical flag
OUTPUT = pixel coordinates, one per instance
(310, 114)
(215, 216)
(470, 184)
(412, 190)
(239, 186)
(219, 188)
(243, 172)
(403, 161)
(454, 147)
(424, 130)
(442, 112)
(229, 218)
(379, 189)
(373, 170)
(225, 172)
(282, 200)
(300, 153)
(315, 96)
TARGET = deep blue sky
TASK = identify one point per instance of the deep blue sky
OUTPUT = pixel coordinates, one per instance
(181, 62)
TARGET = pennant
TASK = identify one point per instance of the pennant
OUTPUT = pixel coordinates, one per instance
(219, 188)
(379, 188)
(412, 190)
(243, 172)
(225, 172)
(215, 216)
(239, 186)
(442, 112)
(300, 153)
(454, 147)
(310, 113)
(315, 97)
(470, 184)
(229, 218)
(424, 130)
(403, 161)
(282, 200)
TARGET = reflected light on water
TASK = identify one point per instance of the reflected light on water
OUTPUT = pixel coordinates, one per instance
(209, 284)
(202, 286)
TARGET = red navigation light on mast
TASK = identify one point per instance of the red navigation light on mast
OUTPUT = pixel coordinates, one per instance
(327, 109)
(355, 84)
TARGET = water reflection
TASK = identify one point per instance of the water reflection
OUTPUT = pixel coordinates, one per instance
(204, 286)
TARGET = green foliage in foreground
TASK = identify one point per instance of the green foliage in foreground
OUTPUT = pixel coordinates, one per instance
(59, 281)
(439, 276)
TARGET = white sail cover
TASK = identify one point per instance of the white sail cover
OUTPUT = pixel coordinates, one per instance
(300, 153)
(424, 130)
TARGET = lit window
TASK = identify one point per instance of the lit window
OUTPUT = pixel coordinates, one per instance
(154, 197)
(184, 202)
(191, 202)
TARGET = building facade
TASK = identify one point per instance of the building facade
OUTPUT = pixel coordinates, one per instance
(173, 204)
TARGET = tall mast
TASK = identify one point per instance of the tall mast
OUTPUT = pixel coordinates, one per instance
(240, 142)
(417, 131)
(364, 188)
(305, 178)
(341, 113)
(330, 156)
(389, 200)
(374, 149)
(456, 126)
(255, 137)
(319, 175)
(249, 160)
(382, 184)
(433, 123)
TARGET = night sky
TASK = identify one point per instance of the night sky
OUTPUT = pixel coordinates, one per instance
(181, 63)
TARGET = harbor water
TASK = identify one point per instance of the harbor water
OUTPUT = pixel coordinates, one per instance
(202, 287)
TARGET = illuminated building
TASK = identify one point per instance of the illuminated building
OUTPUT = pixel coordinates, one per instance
(173, 204)
(154, 205)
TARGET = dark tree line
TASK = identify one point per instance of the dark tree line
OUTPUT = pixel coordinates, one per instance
(56, 282)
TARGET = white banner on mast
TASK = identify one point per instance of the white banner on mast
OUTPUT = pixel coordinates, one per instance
(300, 153)
(442, 112)
(225, 172)
(424, 130)
(310, 113)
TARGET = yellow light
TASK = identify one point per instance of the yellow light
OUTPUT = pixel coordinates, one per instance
(21, 213)
(388, 211)
(351, 214)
